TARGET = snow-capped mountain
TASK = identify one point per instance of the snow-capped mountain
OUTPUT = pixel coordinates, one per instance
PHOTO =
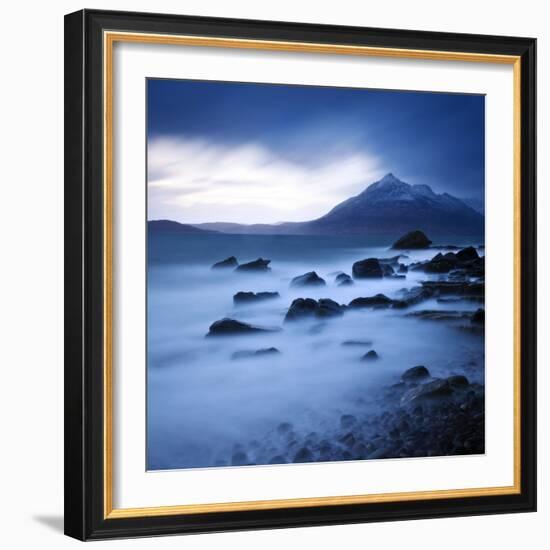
(387, 207)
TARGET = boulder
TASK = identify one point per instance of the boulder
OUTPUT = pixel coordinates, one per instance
(458, 381)
(402, 268)
(371, 355)
(378, 300)
(308, 307)
(439, 315)
(328, 308)
(368, 269)
(343, 279)
(246, 354)
(413, 240)
(434, 390)
(415, 373)
(467, 254)
(308, 279)
(253, 297)
(232, 327)
(227, 263)
(257, 265)
(413, 296)
(461, 288)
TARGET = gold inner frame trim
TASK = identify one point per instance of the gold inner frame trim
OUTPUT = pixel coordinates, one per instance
(109, 39)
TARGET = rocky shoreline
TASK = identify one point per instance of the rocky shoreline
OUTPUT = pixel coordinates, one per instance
(418, 414)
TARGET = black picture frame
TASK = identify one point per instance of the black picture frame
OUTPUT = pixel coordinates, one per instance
(84, 282)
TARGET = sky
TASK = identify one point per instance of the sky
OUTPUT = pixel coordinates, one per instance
(267, 153)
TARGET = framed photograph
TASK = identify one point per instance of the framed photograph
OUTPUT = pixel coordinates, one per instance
(300, 274)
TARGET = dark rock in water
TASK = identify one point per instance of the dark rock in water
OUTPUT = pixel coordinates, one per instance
(466, 254)
(300, 308)
(413, 296)
(252, 297)
(402, 268)
(414, 239)
(308, 279)
(455, 288)
(439, 315)
(245, 354)
(431, 390)
(303, 455)
(458, 381)
(370, 356)
(228, 262)
(308, 307)
(347, 421)
(343, 279)
(379, 300)
(479, 317)
(239, 459)
(257, 265)
(328, 308)
(232, 327)
(368, 269)
(284, 428)
(415, 373)
(357, 343)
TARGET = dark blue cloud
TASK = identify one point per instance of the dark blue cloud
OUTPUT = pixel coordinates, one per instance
(422, 137)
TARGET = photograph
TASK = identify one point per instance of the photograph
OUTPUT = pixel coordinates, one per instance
(315, 274)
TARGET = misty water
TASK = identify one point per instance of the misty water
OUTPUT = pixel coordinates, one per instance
(202, 404)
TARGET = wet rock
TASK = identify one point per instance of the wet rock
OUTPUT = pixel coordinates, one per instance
(379, 300)
(232, 327)
(466, 254)
(308, 279)
(458, 381)
(247, 354)
(412, 240)
(370, 356)
(402, 268)
(347, 421)
(415, 373)
(479, 317)
(455, 288)
(227, 263)
(368, 269)
(366, 343)
(253, 297)
(308, 307)
(413, 296)
(439, 315)
(343, 279)
(303, 455)
(436, 389)
(257, 265)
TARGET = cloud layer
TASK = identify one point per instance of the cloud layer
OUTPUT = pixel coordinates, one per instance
(194, 180)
